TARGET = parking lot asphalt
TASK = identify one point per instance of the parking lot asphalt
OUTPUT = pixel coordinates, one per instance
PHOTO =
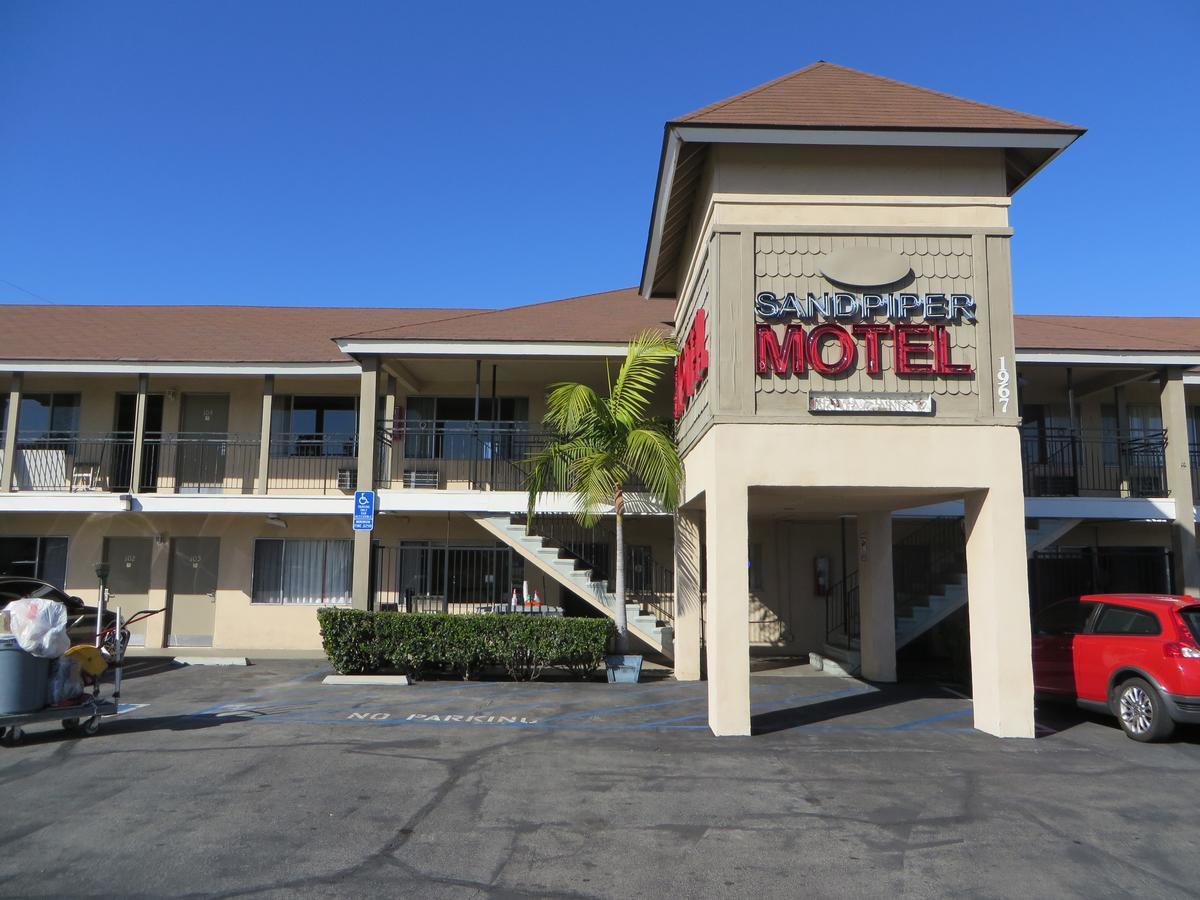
(263, 782)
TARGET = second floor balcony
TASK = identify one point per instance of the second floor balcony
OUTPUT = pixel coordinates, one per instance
(1080, 463)
(457, 455)
(186, 463)
(475, 456)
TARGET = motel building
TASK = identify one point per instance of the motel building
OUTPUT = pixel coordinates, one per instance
(885, 467)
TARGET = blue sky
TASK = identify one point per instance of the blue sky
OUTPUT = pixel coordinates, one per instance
(387, 153)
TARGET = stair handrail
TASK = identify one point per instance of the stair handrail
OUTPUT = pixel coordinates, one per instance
(841, 611)
(946, 540)
(563, 533)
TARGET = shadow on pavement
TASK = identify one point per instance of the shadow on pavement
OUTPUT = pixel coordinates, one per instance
(51, 733)
(838, 707)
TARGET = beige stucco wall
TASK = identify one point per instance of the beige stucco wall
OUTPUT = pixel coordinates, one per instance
(787, 615)
(895, 467)
(239, 623)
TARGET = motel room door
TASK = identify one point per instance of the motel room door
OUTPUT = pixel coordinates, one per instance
(204, 436)
(192, 593)
(129, 561)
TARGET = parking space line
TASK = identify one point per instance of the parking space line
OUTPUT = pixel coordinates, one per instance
(917, 723)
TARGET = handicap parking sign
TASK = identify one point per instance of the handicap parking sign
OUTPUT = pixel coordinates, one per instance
(364, 510)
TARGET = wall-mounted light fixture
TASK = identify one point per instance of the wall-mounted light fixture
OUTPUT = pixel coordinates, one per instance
(276, 521)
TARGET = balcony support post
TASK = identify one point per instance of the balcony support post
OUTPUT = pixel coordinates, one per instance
(139, 433)
(368, 400)
(387, 449)
(1123, 435)
(10, 432)
(1186, 560)
(264, 435)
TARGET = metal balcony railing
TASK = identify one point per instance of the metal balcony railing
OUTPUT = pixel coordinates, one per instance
(186, 463)
(478, 456)
(1079, 463)
(72, 462)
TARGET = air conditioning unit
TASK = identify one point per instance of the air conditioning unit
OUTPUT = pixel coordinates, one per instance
(421, 478)
(347, 479)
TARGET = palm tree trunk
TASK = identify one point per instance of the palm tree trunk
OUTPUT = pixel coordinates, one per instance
(621, 619)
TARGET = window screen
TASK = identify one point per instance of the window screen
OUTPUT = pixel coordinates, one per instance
(291, 571)
(313, 426)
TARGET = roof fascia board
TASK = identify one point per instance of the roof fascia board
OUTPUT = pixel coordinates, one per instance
(133, 366)
(481, 348)
(662, 197)
(676, 135)
(875, 137)
(1110, 357)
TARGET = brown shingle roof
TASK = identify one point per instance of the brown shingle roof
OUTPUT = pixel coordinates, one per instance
(1107, 333)
(825, 95)
(306, 334)
(610, 316)
(265, 334)
(191, 333)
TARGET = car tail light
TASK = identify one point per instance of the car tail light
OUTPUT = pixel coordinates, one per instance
(1180, 650)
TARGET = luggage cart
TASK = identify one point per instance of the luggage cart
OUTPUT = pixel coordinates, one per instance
(83, 718)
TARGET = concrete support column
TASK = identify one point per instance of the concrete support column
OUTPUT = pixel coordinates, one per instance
(998, 604)
(687, 595)
(367, 400)
(1179, 483)
(10, 433)
(264, 436)
(139, 433)
(876, 596)
(728, 628)
(159, 598)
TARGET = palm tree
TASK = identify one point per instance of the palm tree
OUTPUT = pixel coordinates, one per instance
(601, 444)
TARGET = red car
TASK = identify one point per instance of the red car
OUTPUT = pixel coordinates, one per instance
(1135, 656)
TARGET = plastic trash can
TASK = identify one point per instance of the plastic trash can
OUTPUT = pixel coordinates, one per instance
(22, 678)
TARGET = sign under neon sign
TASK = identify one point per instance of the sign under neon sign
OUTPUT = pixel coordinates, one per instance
(692, 365)
(919, 348)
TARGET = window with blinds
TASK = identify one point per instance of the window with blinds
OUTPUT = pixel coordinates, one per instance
(302, 572)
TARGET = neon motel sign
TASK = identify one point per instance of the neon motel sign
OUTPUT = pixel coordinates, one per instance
(846, 321)
(692, 365)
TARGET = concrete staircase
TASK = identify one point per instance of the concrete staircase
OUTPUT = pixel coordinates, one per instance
(916, 614)
(1041, 533)
(578, 579)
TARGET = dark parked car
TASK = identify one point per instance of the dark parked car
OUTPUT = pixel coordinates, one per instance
(1134, 656)
(81, 619)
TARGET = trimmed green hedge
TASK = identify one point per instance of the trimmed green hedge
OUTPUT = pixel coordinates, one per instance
(416, 643)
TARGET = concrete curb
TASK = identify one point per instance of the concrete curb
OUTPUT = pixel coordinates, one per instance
(388, 680)
(212, 660)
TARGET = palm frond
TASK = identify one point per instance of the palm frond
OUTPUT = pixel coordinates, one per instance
(569, 406)
(651, 455)
(601, 443)
(549, 469)
(595, 477)
(649, 353)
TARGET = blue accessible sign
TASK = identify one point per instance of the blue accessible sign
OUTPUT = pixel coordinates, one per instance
(364, 510)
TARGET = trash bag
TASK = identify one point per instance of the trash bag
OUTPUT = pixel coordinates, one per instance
(40, 626)
(65, 685)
